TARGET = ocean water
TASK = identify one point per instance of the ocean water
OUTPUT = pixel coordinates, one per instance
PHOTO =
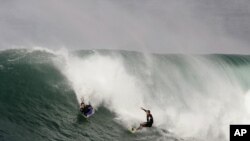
(191, 97)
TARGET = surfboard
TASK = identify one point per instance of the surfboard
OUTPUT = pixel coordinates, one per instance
(132, 130)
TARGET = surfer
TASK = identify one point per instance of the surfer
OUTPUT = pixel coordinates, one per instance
(149, 122)
(85, 109)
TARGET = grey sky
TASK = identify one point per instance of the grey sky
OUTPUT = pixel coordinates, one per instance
(165, 26)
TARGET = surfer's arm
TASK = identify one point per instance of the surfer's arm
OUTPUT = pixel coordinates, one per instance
(143, 109)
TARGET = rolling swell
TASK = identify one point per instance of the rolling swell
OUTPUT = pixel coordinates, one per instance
(39, 101)
(36, 102)
(32, 97)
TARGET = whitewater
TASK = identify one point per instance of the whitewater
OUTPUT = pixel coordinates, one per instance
(192, 97)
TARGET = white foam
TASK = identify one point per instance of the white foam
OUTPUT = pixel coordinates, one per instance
(202, 110)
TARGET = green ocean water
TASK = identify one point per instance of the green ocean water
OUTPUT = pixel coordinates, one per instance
(38, 101)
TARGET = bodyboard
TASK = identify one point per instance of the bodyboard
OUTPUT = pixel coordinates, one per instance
(89, 114)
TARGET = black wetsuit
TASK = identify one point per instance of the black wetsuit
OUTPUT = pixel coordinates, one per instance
(150, 121)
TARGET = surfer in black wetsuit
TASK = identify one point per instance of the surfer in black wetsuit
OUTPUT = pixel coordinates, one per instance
(85, 108)
(149, 122)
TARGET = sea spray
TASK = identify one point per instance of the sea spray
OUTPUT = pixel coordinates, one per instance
(190, 95)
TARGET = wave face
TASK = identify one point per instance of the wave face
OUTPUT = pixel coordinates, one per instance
(192, 97)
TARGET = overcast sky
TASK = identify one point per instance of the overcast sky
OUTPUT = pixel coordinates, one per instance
(163, 26)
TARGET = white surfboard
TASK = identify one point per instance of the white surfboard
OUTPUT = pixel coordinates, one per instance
(132, 130)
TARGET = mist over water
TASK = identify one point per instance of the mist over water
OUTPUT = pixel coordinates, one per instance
(191, 96)
(162, 26)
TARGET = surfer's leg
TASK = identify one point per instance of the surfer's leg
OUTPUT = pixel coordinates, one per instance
(141, 125)
(139, 128)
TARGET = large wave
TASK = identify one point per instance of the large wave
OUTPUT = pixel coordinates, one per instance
(190, 95)
(194, 97)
